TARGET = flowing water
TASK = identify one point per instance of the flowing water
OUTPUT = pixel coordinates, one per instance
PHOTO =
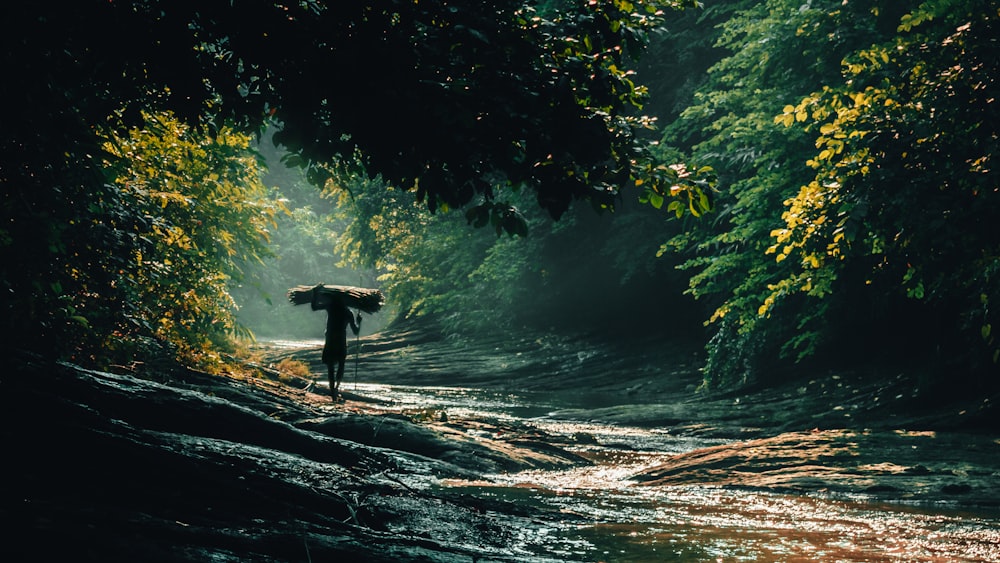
(600, 515)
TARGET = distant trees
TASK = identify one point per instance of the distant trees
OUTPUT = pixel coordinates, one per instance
(303, 248)
(586, 272)
(437, 265)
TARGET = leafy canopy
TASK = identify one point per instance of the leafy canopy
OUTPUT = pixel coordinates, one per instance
(462, 104)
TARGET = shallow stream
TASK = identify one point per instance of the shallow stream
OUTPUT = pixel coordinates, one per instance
(603, 516)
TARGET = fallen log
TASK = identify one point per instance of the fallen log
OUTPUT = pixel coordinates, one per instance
(362, 298)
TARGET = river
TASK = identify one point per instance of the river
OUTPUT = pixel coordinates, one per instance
(596, 513)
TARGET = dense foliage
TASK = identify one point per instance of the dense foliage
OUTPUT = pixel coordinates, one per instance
(461, 104)
(853, 142)
(854, 211)
(585, 272)
(905, 197)
(203, 215)
(778, 51)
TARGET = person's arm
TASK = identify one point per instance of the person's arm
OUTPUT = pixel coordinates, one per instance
(355, 324)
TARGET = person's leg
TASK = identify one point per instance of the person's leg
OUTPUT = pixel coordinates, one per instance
(340, 372)
(331, 377)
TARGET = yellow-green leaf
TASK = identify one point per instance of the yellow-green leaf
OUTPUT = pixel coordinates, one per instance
(656, 200)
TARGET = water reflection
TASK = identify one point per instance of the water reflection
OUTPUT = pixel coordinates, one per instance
(595, 513)
(623, 522)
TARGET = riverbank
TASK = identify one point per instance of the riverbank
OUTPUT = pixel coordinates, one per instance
(171, 464)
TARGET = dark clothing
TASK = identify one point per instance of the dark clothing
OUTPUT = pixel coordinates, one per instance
(337, 319)
(338, 316)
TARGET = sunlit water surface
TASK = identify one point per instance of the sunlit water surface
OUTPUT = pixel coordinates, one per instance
(603, 516)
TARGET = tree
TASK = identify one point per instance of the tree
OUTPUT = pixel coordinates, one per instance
(453, 102)
(427, 263)
(851, 142)
(205, 214)
(779, 51)
(904, 198)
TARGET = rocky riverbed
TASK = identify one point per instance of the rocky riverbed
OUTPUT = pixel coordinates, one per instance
(169, 464)
(853, 432)
(196, 467)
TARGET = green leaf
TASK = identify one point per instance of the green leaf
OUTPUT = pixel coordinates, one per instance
(693, 207)
(704, 202)
(677, 207)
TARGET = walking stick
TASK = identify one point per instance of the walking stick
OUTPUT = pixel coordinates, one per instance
(357, 353)
(357, 338)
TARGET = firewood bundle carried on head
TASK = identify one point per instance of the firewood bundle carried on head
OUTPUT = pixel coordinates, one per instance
(361, 298)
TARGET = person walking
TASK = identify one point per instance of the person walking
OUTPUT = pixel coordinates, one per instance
(338, 317)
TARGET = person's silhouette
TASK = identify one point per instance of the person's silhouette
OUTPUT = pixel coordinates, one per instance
(338, 316)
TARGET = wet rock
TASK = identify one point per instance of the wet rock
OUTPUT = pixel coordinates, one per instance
(108, 467)
(463, 444)
(956, 489)
(910, 466)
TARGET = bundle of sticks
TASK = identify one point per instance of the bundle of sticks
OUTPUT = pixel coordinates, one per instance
(362, 298)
